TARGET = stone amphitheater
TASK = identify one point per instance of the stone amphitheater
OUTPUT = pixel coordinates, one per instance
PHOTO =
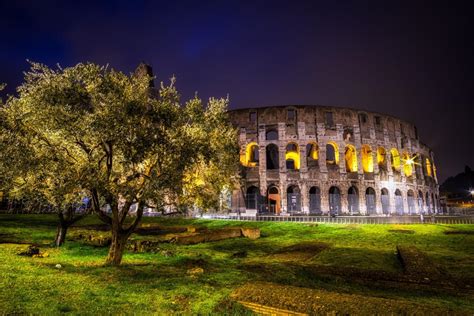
(321, 160)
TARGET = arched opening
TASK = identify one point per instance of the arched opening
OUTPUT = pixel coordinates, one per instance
(351, 159)
(312, 155)
(273, 200)
(251, 156)
(314, 200)
(385, 199)
(272, 157)
(252, 198)
(428, 203)
(407, 164)
(353, 200)
(271, 135)
(367, 159)
(292, 157)
(429, 171)
(395, 159)
(381, 158)
(399, 202)
(411, 202)
(293, 199)
(370, 201)
(334, 200)
(421, 205)
(417, 162)
(332, 154)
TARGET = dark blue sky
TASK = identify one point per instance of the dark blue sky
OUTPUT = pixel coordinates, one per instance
(410, 59)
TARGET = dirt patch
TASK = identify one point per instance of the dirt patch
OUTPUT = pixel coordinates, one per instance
(299, 252)
(459, 232)
(416, 263)
(150, 229)
(401, 231)
(322, 302)
(207, 236)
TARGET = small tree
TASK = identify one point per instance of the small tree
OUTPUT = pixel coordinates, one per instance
(97, 131)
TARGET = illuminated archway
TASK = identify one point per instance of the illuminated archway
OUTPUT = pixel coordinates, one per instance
(312, 154)
(351, 158)
(367, 159)
(408, 163)
(292, 156)
(332, 153)
(395, 159)
(429, 171)
(381, 160)
(251, 156)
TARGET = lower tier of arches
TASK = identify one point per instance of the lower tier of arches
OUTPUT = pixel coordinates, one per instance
(353, 198)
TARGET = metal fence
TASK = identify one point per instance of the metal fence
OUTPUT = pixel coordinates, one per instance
(348, 219)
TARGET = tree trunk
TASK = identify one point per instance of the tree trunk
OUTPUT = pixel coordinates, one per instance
(61, 234)
(117, 247)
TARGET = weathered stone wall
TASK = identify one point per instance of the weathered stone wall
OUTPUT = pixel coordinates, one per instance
(303, 125)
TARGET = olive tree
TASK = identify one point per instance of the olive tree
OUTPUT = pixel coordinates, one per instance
(94, 131)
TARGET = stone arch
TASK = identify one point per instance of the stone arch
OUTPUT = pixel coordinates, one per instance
(382, 158)
(251, 156)
(351, 158)
(421, 205)
(273, 199)
(334, 200)
(429, 170)
(411, 202)
(312, 154)
(272, 156)
(428, 203)
(293, 199)
(332, 154)
(385, 201)
(395, 159)
(370, 201)
(399, 209)
(252, 197)
(353, 200)
(292, 156)
(367, 159)
(314, 200)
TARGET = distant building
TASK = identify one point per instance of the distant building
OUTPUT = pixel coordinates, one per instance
(320, 159)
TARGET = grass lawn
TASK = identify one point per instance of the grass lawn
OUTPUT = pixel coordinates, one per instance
(159, 283)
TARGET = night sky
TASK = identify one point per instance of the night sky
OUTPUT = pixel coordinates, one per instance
(413, 61)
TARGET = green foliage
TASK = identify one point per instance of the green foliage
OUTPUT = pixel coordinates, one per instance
(89, 130)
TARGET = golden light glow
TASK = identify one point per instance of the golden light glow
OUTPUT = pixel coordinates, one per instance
(429, 171)
(294, 155)
(351, 158)
(248, 158)
(336, 154)
(408, 163)
(367, 159)
(314, 151)
(381, 156)
(395, 156)
(434, 171)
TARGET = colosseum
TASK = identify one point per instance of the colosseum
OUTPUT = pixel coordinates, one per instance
(320, 160)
